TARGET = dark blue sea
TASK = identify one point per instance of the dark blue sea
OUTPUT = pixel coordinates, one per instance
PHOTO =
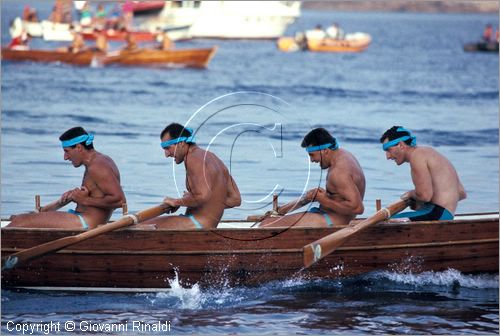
(252, 106)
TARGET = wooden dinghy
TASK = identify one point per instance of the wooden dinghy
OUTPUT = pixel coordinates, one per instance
(48, 56)
(141, 258)
(197, 58)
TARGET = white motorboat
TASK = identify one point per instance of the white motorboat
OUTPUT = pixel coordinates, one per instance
(227, 19)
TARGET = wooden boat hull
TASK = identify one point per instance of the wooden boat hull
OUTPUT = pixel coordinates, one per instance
(333, 45)
(357, 43)
(47, 56)
(197, 58)
(482, 46)
(139, 258)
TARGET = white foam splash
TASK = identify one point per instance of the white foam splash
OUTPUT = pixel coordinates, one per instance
(449, 277)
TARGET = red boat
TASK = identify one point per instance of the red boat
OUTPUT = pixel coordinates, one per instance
(147, 7)
(118, 35)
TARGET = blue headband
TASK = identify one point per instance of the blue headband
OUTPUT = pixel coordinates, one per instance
(189, 139)
(325, 146)
(394, 142)
(88, 138)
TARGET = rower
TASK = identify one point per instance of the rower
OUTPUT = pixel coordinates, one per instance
(99, 194)
(210, 187)
(341, 199)
(437, 185)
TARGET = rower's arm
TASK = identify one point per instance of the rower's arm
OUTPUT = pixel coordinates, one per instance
(108, 183)
(199, 191)
(347, 201)
(233, 198)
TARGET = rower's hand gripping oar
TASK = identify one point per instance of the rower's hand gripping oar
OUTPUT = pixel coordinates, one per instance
(55, 245)
(326, 245)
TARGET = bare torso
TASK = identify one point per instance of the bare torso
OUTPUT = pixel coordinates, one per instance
(216, 178)
(344, 179)
(446, 185)
(96, 215)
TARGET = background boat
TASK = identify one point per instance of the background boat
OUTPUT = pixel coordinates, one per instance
(355, 42)
(481, 46)
(195, 58)
(227, 19)
(83, 58)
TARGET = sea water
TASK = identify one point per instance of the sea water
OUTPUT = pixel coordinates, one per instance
(252, 106)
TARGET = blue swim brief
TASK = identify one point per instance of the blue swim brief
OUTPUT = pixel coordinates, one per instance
(317, 210)
(194, 220)
(80, 217)
(429, 211)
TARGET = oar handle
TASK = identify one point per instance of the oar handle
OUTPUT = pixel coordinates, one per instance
(55, 245)
(322, 247)
(278, 210)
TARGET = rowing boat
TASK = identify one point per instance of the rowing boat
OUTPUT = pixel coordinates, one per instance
(198, 58)
(145, 258)
(49, 56)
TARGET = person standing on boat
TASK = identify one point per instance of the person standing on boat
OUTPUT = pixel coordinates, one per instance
(488, 33)
(210, 187)
(335, 32)
(437, 185)
(342, 198)
(95, 200)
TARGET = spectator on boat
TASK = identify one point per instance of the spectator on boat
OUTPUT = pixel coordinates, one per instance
(79, 6)
(29, 14)
(210, 187)
(128, 14)
(86, 15)
(335, 32)
(97, 197)
(165, 42)
(437, 185)
(341, 199)
(488, 33)
(114, 21)
(20, 39)
(56, 14)
(316, 34)
(100, 17)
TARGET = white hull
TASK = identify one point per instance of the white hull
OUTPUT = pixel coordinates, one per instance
(228, 19)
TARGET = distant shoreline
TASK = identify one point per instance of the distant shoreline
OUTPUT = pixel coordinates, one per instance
(445, 6)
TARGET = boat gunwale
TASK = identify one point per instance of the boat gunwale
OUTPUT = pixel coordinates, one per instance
(254, 229)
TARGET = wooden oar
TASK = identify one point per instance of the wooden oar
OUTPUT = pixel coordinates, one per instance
(40, 250)
(53, 206)
(326, 245)
(278, 211)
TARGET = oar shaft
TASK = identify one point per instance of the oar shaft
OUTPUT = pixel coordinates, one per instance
(322, 247)
(53, 206)
(40, 250)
